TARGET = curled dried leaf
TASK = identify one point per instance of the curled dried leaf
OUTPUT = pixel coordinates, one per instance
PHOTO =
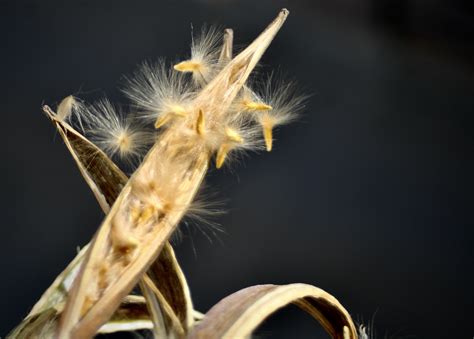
(239, 314)
(132, 315)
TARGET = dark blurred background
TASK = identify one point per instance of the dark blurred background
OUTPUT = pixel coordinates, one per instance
(368, 196)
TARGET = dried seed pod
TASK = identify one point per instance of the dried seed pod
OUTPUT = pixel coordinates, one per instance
(217, 114)
(176, 166)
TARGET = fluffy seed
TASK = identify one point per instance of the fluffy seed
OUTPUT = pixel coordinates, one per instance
(115, 133)
(159, 93)
(283, 107)
(204, 61)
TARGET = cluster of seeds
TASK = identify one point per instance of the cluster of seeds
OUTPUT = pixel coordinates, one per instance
(163, 97)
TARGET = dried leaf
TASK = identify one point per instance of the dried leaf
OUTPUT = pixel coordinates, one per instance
(155, 309)
(239, 314)
(163, 268)
(36, 325)
(135, 231)
(178, 299)
(57, 292)
(132, 315)
(166, 322)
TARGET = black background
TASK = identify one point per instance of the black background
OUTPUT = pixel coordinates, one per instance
(368, 196)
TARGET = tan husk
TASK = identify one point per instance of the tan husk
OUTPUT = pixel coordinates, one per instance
(104, 178)
(115, 261)
(106, 181)
(239, 314)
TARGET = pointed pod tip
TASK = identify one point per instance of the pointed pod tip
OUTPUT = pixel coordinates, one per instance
(281, 17)
(49, 112)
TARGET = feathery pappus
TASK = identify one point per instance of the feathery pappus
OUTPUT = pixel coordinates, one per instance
(162, 97)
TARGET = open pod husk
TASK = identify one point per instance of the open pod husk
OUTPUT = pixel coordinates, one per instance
(239, 314)
(106, 181)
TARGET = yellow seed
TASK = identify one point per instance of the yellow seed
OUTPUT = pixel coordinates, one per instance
(268, 135)
(162, 120)
(147, 213)
(124, 143)
(122, 239)
(256, 106)
(175, 111)
(135, 213)
(222, 154)
(188, 66)
(178, 110)
(200, 123)
(233, 135)
(141, 215)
